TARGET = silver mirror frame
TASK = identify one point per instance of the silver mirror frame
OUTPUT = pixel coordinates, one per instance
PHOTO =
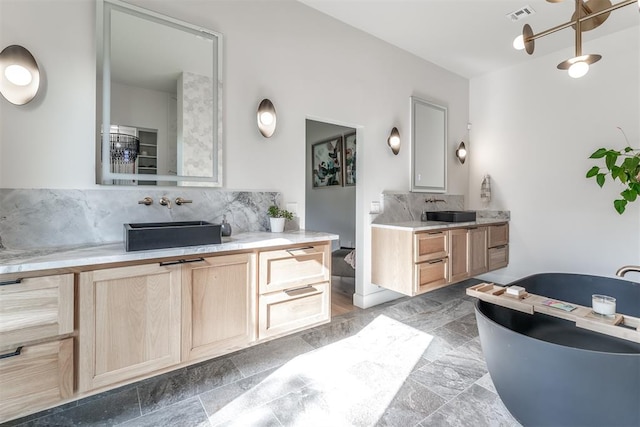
(103, 30)
(439, 148)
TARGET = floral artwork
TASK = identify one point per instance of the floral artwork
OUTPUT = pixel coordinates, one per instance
(326, 158)
(350, 159)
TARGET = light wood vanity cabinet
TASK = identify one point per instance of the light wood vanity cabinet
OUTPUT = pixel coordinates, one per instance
(416, 262)
(498, 252)
(36, 363)
(295, 289)
(129, 323)
(218, 305)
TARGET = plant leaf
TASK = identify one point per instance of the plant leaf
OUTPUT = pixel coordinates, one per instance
(599, 153)
(620, 205)
(616, 171)
(600, 179)
(593, 172)
(610, 159)
(629, 195)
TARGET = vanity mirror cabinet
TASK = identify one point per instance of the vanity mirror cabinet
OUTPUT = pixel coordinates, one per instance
(160, 75)
(414, 262)
(135, 319)
(428, 146)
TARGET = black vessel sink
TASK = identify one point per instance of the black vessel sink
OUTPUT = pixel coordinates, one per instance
(452, 216)
(161, 235)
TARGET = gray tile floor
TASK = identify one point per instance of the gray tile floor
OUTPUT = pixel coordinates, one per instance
(448, 386)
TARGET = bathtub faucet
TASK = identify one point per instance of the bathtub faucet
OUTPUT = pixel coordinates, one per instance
(627, 268)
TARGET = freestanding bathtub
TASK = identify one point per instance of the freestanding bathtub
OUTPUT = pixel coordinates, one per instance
(548, 372)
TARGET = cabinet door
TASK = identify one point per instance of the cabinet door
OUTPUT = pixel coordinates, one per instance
(430, 245)
(458, 255)
(35, 308)
(477, 251)
(294, 267)
(129, 323)
(218, 312)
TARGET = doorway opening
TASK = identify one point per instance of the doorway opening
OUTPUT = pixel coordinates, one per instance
(330, 202)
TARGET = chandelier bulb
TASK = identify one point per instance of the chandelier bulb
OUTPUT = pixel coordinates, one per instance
(578, 69)
(518, 42)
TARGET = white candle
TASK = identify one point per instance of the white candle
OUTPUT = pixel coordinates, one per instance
(603, 304)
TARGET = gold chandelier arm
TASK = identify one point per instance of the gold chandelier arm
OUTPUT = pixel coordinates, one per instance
(580, 20)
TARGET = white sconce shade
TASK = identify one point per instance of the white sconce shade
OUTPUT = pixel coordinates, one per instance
(394, 141)
(266, 118)
(461, 152)
(19, 75)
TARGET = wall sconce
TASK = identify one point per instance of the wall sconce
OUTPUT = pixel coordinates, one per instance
(587, 16)
(266, 118)
(461, 152)
(394, 141)
(19, 75)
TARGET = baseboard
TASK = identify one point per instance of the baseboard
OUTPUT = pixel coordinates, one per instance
(375, 298)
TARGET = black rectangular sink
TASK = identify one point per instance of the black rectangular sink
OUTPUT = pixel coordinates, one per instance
(452, 216)
(161, 235)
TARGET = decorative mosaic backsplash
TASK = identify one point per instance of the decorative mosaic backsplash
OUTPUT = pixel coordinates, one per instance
(402, 207)
(40, 217)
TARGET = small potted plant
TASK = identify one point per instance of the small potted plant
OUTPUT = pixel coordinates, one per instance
(277, 218)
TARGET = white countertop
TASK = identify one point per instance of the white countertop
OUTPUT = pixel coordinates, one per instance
(435, 225)
(29, 260)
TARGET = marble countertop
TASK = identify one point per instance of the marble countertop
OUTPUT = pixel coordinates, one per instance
(435, 225)
(29, 260)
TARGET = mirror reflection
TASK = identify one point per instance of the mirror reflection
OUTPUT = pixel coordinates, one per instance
(158, 86)
(428, 146)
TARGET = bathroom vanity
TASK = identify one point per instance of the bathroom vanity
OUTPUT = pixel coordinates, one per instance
(416, 257)
(82, 321)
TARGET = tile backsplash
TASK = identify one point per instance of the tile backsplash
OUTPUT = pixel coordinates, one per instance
(31, 218)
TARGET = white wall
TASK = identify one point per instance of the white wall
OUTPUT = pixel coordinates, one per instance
(533, 131)
(308, 64)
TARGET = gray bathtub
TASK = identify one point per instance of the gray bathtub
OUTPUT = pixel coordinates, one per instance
(548, 372)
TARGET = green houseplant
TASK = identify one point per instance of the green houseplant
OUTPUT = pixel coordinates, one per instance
(623, 165)
(277, 218)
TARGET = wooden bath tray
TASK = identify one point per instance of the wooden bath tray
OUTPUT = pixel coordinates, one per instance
(620, 326)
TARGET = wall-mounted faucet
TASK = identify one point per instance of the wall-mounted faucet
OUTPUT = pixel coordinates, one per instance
(164, 201)
(627, 268)
(146, 201)
(180, 201)
(434, 200)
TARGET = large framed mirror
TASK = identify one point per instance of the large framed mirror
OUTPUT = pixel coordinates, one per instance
(428, 146)
(159, 80)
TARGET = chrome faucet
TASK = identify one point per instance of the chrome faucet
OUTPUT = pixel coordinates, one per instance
(627, 268)
(180, 201)
(165, 201)
(434, 200)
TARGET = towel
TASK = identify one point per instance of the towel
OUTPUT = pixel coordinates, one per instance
(351, 259)
(485, 189)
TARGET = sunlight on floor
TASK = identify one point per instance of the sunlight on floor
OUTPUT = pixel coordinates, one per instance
(349, 382)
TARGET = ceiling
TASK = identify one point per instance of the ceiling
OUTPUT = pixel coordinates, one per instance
(468, 37)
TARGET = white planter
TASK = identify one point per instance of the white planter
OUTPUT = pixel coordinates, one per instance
(277, 225)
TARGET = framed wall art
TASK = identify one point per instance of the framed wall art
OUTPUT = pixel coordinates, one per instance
(349, 159)
(326, 162)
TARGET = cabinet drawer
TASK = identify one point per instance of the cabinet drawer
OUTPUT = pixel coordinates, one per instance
(293, 268)
(286, 311)
(39, 376)
(498, 257)
(431, 275)
(36, 308)
(498, 235)
(430, 245)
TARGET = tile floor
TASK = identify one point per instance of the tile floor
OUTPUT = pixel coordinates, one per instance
(448, 386)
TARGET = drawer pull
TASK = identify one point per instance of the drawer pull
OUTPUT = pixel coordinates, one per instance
(435, 232)
(500, 247)
(436, 261)
(181, 261)
(291, 251)
(15, 353)
(300, 291)
(11, 282)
